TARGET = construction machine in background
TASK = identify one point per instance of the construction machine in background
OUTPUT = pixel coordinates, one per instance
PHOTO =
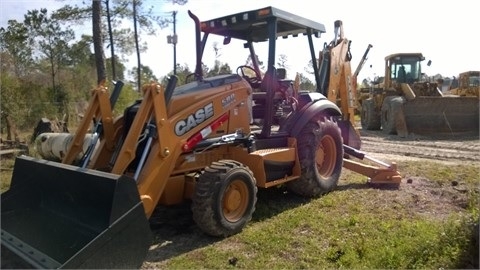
(194, 142)
(408, 102)
(468, 84)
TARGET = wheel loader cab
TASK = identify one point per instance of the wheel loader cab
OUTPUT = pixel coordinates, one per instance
(404, 68)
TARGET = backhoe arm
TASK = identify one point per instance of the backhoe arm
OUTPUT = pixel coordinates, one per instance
(360, 66)
(340, 86)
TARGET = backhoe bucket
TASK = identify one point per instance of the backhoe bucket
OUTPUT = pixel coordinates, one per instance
(447, 114)
(61, 216)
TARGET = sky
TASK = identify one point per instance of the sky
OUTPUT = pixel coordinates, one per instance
(446, 34)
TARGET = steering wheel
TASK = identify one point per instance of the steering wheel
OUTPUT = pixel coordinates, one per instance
(253, 81)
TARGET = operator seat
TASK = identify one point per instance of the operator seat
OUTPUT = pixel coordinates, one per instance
(259, 98)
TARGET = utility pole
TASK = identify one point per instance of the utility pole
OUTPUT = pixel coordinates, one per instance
(172, 39)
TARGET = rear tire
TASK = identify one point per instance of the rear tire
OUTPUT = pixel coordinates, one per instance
(320, 151)
(370, 118)
(224, 199)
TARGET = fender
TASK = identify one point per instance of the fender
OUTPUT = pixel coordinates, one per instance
(315, 103)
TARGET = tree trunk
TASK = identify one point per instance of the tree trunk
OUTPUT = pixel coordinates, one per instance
(97, 40)
(139, 65)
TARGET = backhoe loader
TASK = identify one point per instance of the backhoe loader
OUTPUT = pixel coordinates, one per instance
(194, 142)
(406, 102)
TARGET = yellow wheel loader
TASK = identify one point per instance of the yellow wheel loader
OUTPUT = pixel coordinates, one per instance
(468, 84)
(194, 142)
(407, 102)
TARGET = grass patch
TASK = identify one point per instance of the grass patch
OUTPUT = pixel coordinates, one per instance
(352, 227)
(336, 239)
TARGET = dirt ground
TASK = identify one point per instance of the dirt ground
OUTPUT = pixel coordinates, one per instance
(419, 193)
(444, 148)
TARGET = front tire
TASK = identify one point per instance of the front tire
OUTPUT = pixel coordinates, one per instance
(391, 110)
(224, 199)
(370, 119)
(320, 151)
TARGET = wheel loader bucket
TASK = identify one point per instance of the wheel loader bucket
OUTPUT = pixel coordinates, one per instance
(447, 114)
(61, 216)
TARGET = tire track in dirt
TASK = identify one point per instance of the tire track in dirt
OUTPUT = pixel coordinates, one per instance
(460, 148)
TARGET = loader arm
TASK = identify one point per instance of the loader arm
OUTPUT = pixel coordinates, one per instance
(160, 153)
(152, 111)
(100, 111)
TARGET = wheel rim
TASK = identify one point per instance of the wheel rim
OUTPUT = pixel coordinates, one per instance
(235, 200)
(326, 156)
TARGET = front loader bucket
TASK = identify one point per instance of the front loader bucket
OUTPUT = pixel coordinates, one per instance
(447, 114)
(61, 216)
